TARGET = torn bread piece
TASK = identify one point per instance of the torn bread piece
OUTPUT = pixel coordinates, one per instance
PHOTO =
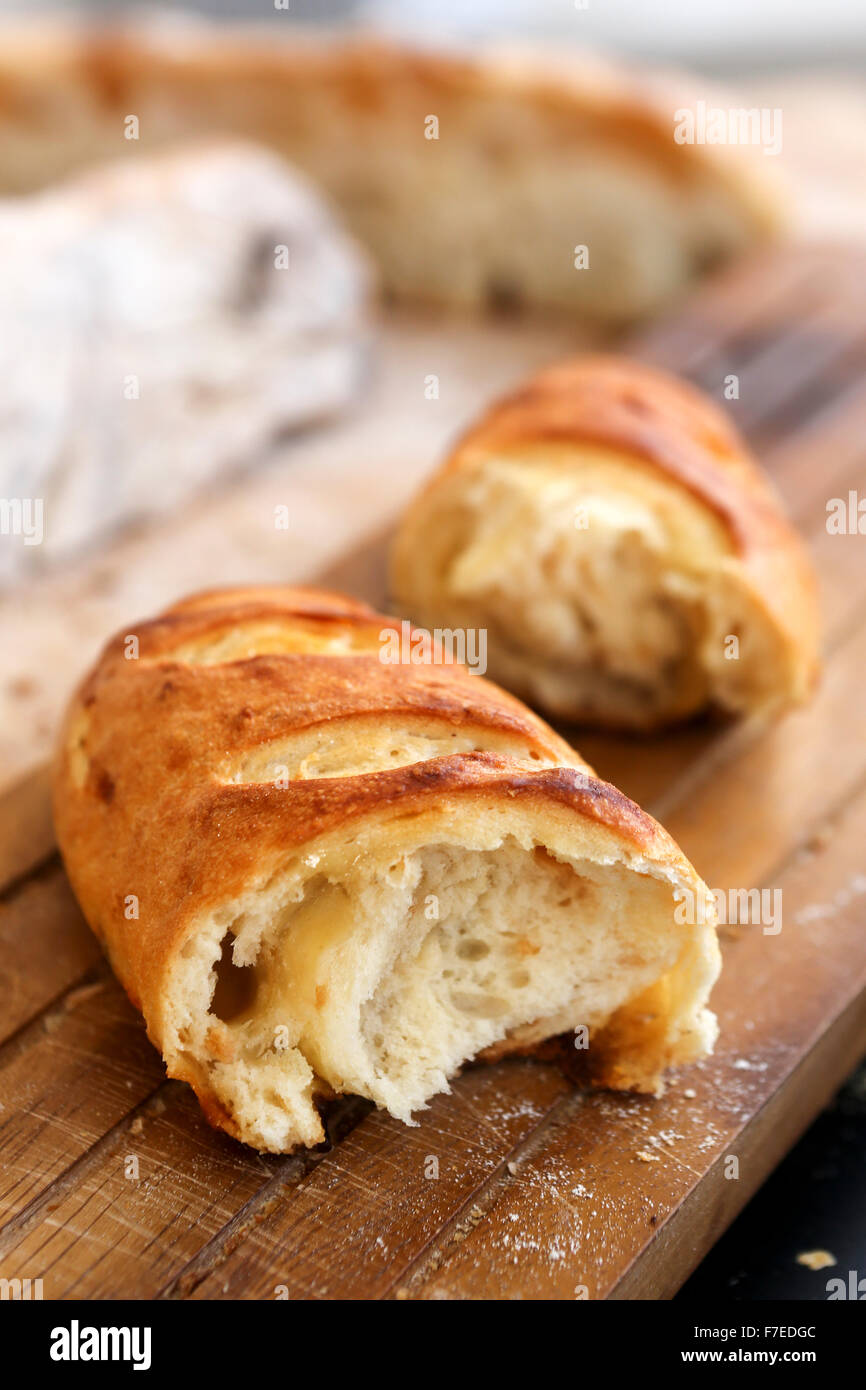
(628, 559)
(317, 872)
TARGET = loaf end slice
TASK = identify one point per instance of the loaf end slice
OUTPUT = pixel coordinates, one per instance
(317, 873)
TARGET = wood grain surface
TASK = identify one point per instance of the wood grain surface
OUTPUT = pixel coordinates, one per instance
(518, 1185)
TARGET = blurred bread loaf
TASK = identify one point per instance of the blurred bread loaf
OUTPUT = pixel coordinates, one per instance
(516, 176)
(630, 562)
(350, 875)
(162, 321)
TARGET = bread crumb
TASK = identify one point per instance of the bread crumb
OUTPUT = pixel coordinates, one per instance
(646, 1157)
(816, 1259)
(666, 1136)
(689, 1093)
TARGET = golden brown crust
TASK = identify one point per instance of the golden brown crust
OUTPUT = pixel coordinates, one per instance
(255, 87)
(584, 95)
(646, 414)
(635, 409)
(144, 800)
(263, 697)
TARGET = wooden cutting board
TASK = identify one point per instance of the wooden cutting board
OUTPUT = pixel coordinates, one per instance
(518, 1184)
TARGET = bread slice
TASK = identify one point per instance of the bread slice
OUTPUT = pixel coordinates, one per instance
(506, 176)
(316, 872)
(629, 561)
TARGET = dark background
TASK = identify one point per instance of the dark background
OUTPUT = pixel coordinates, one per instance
(815, 1200)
